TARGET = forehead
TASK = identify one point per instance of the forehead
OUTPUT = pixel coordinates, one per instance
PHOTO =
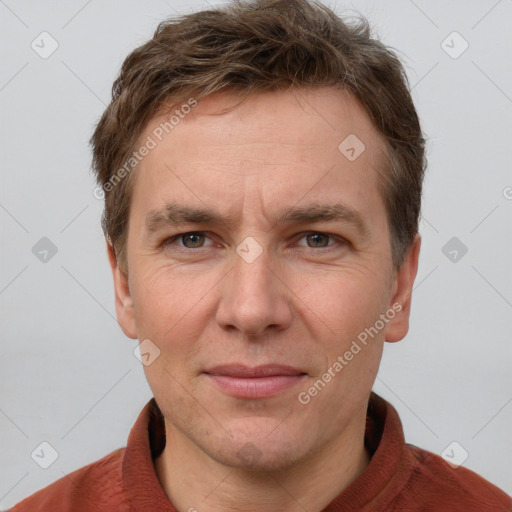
(274, 146)
(318, 116)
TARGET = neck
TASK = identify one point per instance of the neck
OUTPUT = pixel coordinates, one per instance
(194, 482)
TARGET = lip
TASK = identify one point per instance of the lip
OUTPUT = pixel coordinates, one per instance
(264, 381)
(243, 371)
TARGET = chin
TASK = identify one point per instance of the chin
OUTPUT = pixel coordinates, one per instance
(261, 455)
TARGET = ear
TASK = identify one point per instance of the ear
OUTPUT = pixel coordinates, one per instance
(403, 282)
(124, 302)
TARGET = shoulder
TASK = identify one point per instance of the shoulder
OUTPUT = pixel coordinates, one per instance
(96, 487)
(441, 487)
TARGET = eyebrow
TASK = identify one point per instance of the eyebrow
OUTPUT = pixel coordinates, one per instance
(174, 214)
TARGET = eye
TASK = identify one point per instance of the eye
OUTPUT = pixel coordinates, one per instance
(320, 240)
(191, 240)
(196, 239)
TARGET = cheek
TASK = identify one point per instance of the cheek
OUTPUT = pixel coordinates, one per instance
(172, 308)
(344, 302)
(167, 309)
(162, 294)
(151, 304)
(350, 307)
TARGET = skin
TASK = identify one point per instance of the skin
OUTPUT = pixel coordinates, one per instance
(299, 303)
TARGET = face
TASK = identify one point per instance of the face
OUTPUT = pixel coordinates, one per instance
(272, 288)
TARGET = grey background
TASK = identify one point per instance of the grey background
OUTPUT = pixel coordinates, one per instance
(68, 374)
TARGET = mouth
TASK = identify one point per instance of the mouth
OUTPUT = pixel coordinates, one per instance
(264, 381)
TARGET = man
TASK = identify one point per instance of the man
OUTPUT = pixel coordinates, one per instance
(262, 166)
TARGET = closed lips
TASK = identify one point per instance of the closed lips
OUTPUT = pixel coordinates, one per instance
(242, 371)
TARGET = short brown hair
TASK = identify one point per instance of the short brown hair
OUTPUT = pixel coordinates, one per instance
(256, 46)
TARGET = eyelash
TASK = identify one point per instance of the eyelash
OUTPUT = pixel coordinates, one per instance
(341, 240)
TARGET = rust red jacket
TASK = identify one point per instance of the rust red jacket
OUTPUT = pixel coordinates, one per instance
(400, 476)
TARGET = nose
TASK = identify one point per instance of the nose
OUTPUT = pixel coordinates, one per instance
(254, 299)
